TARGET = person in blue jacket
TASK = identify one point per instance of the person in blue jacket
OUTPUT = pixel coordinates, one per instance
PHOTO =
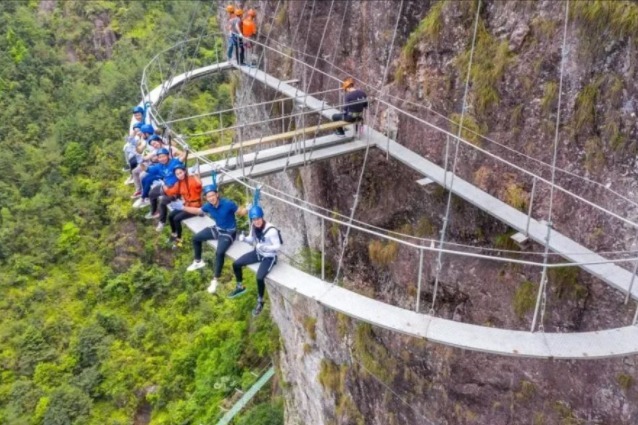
(267, 240)
(223, 212)
(158, 175)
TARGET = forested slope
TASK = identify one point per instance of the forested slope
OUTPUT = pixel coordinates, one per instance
(98, 322)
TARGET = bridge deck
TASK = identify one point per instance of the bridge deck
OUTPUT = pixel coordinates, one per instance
(613, 275)
(599, 344)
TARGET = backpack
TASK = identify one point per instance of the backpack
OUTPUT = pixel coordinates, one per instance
(281, 240)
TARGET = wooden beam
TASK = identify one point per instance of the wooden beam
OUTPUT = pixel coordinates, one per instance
(274, 138)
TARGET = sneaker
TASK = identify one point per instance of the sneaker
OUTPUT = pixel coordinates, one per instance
(212, 288)
(141, 203)
(126, 170)
(129, 180)
(196, 266)
(150, 216)
(258, 308)
(340, 132)
(159, 227)
(136, 195)
(239, 290)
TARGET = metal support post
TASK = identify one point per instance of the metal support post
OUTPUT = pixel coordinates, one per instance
(323, 248)
(635, 321)
(531, 203)
(420, 278)
(631, 283)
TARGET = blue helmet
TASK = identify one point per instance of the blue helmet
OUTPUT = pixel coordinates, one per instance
(153, 137)
(210, 188)
(256, 212)
(138, 110)
(147, 128)
(162, 151)
(138, 125)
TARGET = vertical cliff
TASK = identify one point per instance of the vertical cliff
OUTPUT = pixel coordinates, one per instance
(340, 372)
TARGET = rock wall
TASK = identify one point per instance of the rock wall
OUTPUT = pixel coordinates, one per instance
(336, 371)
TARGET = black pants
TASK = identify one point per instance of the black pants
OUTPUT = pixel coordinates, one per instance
(265, 267)
(154, 196)
(175, 219)
(344, 117)
(240, 50)
(224, 241)
(164, 200)
(132, 163)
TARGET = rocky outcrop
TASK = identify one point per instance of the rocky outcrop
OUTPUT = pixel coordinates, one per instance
(339, 372)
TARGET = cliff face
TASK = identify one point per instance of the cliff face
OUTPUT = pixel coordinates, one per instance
(340, 372)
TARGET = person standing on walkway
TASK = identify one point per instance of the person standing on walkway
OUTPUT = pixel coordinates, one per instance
(249, 31)
(235, 41)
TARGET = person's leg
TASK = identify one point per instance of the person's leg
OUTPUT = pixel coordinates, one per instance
(163, 207)
(147, 181)
(176, 223)
(137, 180)
(246, 259)
(224, 242)
(265, 267)
(205, 235)
(231, 43)
(240, 43)
(154, 196)
(339, 117)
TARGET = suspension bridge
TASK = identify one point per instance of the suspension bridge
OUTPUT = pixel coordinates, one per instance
(309, 144)
(268, 154)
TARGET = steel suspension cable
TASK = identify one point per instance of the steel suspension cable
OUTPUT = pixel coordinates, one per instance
(446, 219)
(542, 291)
(365, 158)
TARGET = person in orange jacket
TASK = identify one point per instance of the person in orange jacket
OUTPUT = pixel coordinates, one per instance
(249, 32)
(189, 189)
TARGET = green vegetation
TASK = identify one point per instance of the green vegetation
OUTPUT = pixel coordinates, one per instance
(98, 318)
(525, 298)
(490, 61)
(471, 132)
(625, 381)
(585, 111)
(550, 94)
(310, 325)
(620, 18)
(429, 29)
(565, 282)
(373, 355)
(381, 253)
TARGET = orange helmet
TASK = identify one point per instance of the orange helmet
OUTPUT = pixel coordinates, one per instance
(239, 12)
(251, 12)
(230, 8)
(347, 83)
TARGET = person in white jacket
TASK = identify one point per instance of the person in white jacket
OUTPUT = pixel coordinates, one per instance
(268, 242)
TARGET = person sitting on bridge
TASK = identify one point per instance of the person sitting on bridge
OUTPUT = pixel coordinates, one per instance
(157, 177)
(189, 189)
(249, 31)
(130, 150)
(151, 146)
(268, 242)
(223, 212)
(235, 41)
(354, 103)
(139, 115)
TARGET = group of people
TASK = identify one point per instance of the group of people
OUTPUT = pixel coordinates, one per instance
(241, 34)
(163, 182)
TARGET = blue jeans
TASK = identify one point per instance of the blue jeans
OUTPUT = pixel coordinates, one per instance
(237, 43)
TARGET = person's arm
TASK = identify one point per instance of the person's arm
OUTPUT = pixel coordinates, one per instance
(193, 210)
(251, 236)
(172, 190)
(241, 211)
(272, 238)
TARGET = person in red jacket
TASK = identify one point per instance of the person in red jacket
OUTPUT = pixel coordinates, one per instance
(189, 189)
